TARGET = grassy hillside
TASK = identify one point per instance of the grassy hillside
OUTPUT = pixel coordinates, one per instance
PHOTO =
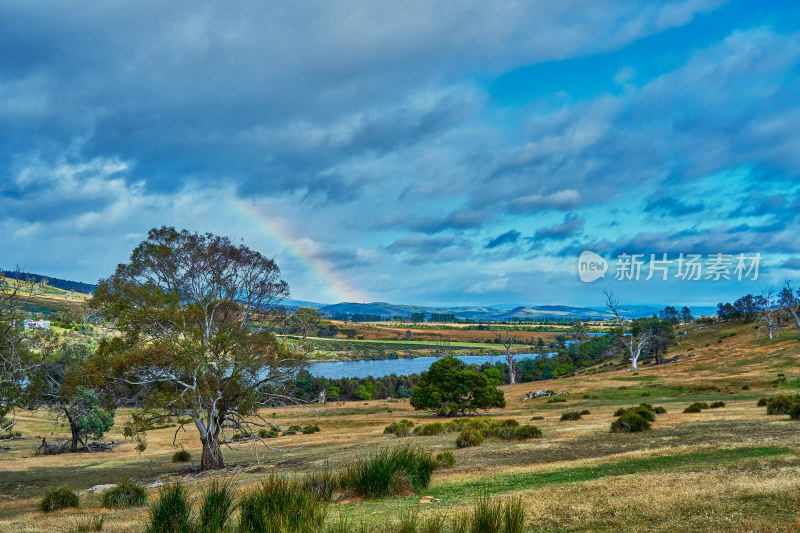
(728, 469)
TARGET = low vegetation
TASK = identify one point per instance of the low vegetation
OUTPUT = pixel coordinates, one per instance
(58, 498)
(125, 494)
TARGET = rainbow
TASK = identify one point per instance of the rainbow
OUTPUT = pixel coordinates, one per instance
(274, 231)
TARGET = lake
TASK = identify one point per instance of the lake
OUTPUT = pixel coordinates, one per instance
(400, 367)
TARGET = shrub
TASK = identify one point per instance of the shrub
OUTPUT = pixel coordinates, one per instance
(794, 412)
(311, 428)
(527, 432)
(761, 402)
(399, 429)
(716, 405)
(745, 387)
(294, 429)
(403, 470)
(536, 418)
(58, 498)
(268, 433)
(171, 512)
(696, 407)
(126, 494)
(557, 400)
(781, 405)
(469, 437)
(434, 428)
(571, 415)
(586, 412)
(278, 505)
(659, 410)
(446, 459)
(492, 517)
(630, 421)
(181, 456)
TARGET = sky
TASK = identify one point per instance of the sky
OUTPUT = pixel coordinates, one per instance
(418, 152)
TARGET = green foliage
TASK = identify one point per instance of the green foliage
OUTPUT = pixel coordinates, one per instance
(537, 417)
(696, 407)
(469, 437)
(446, 459)
(586, 412)
(125, 494)
(762, 402)
(527, 432)
(571, 415)
(557, 400)
(781, 405)
(402, 470)
(490, 516)
(717, 405)
(631, 421)
(322, 483)
(401, 428)
(794, 411)
(364, 392)
(94, 421)
(311, 428)
(171, 513)
(181, 456)
(216, 507)
(451, 387)
(58, 498)
(280, 506)
(434, 428)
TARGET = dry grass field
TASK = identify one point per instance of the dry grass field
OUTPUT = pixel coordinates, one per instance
(727, 469)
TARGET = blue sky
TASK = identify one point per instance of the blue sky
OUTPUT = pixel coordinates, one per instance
(419, 152)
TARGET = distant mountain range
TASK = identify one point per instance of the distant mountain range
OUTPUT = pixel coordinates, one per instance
(497, 312)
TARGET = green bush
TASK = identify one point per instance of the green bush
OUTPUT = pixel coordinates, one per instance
(536, 418)
(659, 410)
(557, 400)
(781, 405)
(58, 498)
(216, 507)
(446, 459)
(469, 437)
(322, 483)
(280, 506)
(571, 415)
(490, 516)
(171, 512)
(586, 412)
(402, 470)
(311, 428)
(717, 405)
(794, 412)
(126, 494)
(630, 421)
(527, 432)
(762, 402)
(181, 456)
(401, 428)
(696, 407)
(426, 430)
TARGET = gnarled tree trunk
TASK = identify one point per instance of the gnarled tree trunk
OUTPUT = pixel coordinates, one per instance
(212, 454)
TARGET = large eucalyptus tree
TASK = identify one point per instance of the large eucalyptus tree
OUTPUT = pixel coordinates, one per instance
(193, 310)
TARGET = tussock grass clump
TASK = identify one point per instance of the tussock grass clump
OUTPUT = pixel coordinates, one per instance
(126, 494)
(86, 524)
(781, 405)
(217, 506)
(322, 483)
(586, 412)
(268, 433)
(311, 428)
(401, 428)
(171, 512)
(279, 505)
(557, 400)
(58, 498)
(527, 432)
(717, 405)
(426, 430)
(536, 418)
(762, 402)
(446, 459)
(469, 437)
(571, 415)
(490, 516)
(794, 412)
(402, 470)
(181, 456)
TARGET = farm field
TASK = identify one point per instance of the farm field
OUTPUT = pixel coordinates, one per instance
(728, 469)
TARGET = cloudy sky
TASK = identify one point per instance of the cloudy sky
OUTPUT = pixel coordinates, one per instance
(428, 152)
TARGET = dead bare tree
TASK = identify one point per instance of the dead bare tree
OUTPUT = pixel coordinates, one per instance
(505, 337)
(634, 344)
(789, 302)
(768, 314)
